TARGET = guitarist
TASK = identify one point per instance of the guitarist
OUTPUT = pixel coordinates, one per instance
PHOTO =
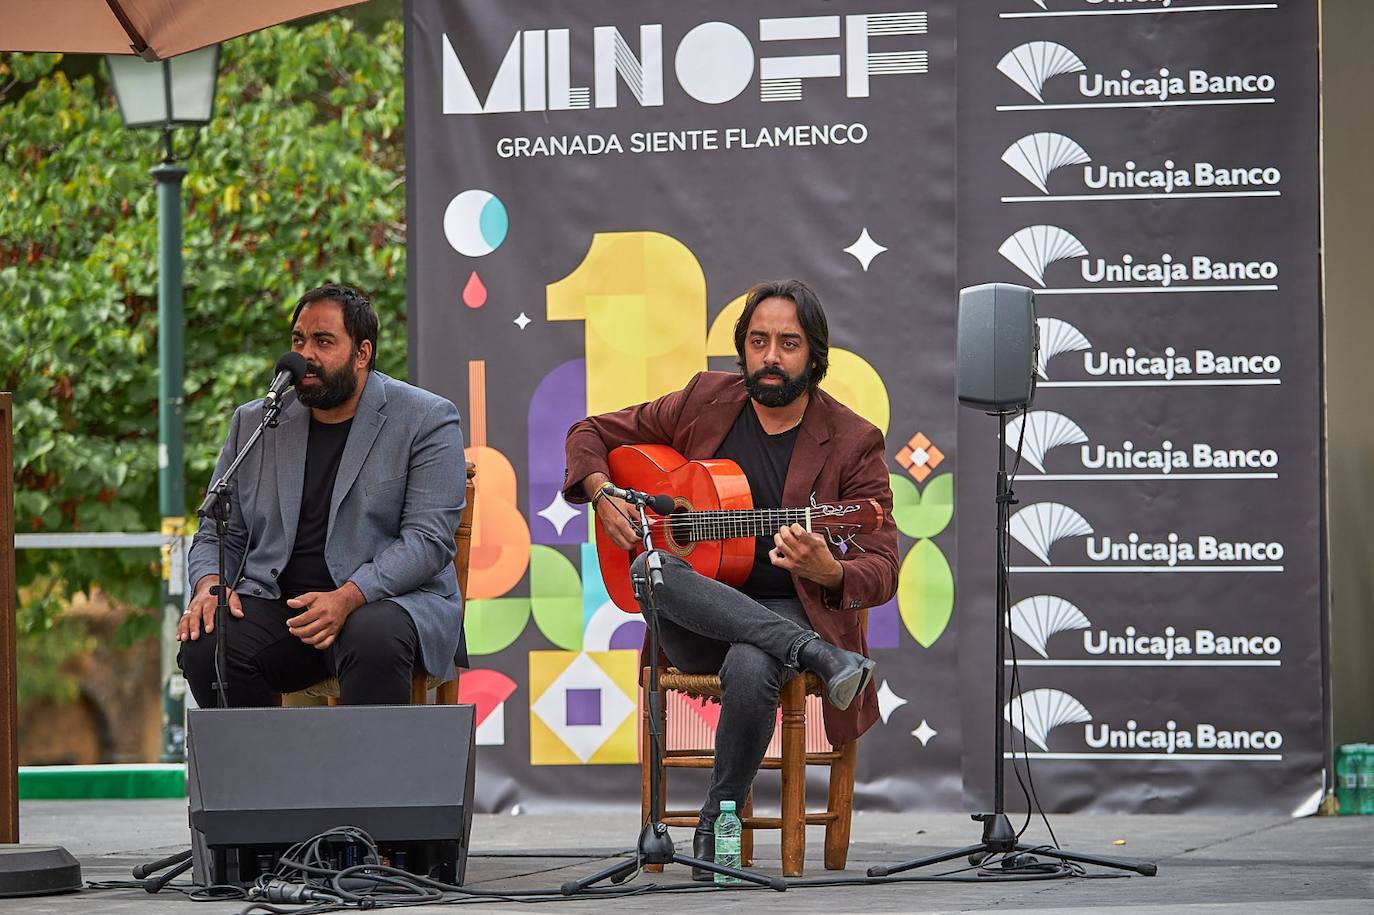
(798, 610)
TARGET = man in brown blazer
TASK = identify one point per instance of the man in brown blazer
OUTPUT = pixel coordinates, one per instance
(799, 609)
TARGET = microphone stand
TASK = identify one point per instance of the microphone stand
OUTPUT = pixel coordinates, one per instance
(217, 505)
(655, 846)
(999, 836)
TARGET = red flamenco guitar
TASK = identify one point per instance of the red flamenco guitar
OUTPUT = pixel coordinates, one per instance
(714, 524)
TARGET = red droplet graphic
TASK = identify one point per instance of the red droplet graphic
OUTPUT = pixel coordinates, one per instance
(475, 292)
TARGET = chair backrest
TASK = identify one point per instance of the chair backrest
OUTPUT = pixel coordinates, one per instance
(462, 538)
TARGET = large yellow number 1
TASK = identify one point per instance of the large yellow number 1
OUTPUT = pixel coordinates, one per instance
(643, 298)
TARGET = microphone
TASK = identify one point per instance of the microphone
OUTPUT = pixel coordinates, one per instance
(290, 370)
(662, 505)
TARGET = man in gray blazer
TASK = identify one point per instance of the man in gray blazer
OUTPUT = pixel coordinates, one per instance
(340, 540)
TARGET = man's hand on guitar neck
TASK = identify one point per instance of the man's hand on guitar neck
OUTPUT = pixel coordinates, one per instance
(614, 514)
(806, 554)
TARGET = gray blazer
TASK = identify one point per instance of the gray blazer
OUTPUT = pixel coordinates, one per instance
(397, 501)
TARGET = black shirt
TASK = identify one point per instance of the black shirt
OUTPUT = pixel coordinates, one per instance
(764, 459)
(307, 570)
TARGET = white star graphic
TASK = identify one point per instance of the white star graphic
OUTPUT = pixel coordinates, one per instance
(523, 321)
(559, 512)
(888, 701)
(865, 249)
(924, 733)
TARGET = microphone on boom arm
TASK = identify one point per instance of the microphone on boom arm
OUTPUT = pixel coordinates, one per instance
(662, 505)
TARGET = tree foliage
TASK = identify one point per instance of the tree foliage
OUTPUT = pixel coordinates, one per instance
(298, 180)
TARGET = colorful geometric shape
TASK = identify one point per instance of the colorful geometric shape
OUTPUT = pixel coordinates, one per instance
(919, 457)
(559, 400)
(884, 626)
(584, 707)
(922, 513)
(488, 691)
(925, 593)
(475, 223)
(556, 597)
(562, 686)
(493, 624)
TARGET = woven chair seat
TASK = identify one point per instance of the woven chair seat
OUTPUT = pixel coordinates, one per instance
(707, 686)
(329, 689)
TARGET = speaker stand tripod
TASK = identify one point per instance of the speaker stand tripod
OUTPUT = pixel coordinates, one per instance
(998, 835)
(654, 845)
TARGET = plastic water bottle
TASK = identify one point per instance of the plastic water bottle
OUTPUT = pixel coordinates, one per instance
(728, 830)
(1348, 779)
(1365, 768)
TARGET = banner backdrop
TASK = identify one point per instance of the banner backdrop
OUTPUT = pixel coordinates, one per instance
(1153, 176)
(592, 187)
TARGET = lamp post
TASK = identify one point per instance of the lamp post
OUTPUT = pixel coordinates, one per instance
(166, 94)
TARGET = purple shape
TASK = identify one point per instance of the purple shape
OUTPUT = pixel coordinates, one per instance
(629, 634)
(584, 706)
(884, 625)
(559, 401)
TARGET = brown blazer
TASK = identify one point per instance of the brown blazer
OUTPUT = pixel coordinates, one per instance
(838, 455)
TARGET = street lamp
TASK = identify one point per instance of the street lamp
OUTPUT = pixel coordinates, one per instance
(166, 94)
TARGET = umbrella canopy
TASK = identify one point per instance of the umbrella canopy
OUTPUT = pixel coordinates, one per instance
(152, 29)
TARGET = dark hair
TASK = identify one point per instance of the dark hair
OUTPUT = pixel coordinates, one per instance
(359, 320)
(809, 314)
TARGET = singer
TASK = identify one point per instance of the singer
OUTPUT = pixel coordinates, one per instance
(799, 608)
(340, 544)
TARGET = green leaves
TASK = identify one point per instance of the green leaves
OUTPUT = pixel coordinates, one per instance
(298, 180)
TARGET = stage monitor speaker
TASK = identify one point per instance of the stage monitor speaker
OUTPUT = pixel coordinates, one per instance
(997, 347)
(261, 780)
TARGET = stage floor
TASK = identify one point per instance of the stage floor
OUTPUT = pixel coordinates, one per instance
(1248, 865)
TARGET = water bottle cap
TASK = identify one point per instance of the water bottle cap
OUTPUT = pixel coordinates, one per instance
(727, 806)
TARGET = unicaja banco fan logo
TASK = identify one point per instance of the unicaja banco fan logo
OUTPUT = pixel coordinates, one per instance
(1034, 619)
(1035, 63)
(1040, 430)
(1034, 248)
(1057, 337)
(1039, 711)
(1041, 525)
(1036, 155)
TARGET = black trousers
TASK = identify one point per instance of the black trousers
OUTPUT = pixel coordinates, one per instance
(374, 656)
(706, 627)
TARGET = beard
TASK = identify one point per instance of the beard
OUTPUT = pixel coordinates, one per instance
(779, 395)
(334, 388)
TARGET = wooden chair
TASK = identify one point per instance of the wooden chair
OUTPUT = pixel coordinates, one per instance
(792, 761)
(445, 692)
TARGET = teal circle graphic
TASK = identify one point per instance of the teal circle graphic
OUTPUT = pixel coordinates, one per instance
(475, 223)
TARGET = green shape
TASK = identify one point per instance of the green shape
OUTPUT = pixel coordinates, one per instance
(556, 597)
(925, 593)
(920, 513)
(491, 625)
(124, 781)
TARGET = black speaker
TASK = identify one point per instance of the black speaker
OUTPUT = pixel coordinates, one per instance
(997, 347)
(261, 780)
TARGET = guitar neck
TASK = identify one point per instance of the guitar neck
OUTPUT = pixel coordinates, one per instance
(727, 525)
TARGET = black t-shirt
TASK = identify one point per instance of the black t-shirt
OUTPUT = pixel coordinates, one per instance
(307, 570)
(764, 459)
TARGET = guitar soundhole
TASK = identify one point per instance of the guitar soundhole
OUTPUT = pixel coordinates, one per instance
(677, 531)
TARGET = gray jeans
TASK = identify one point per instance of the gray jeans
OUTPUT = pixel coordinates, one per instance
(706, 627)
